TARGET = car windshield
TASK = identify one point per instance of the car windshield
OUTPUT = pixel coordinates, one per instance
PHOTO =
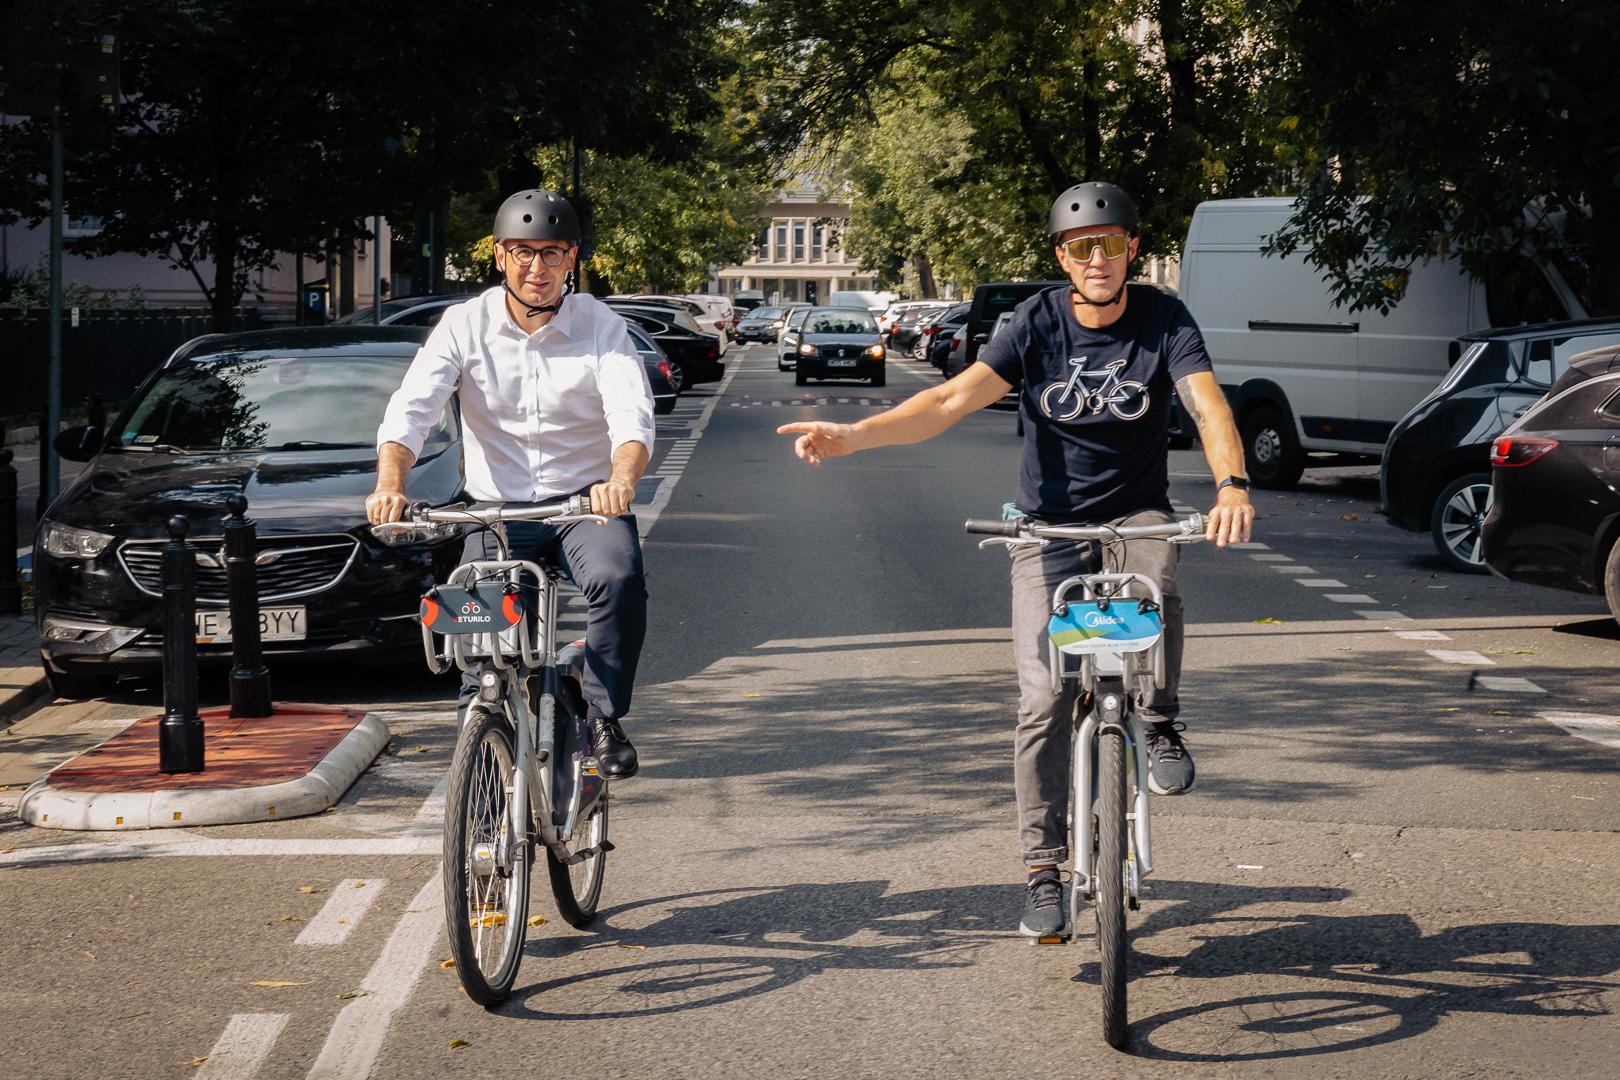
(235, 402)
(765, 314)
(852, 321)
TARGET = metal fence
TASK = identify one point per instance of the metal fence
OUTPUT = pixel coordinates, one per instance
(108, 353)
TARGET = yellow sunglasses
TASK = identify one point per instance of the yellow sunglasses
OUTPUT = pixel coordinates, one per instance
(1113, 245)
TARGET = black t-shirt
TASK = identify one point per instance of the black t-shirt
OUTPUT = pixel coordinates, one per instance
(1096, 403)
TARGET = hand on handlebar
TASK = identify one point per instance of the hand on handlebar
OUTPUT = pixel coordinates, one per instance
(612, 498)
(818, 439)
(1231, 520)
(385, 506)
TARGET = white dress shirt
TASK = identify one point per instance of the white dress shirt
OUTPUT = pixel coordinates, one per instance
(542, 414)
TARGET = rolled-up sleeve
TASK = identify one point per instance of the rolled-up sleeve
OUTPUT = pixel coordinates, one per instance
(419, 402)
(627, 399)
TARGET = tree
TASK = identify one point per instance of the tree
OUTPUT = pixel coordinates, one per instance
(1451, 128)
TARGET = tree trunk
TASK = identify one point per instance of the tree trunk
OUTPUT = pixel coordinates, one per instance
(925, 275)
(1179, 65)
(1091, 120)
(225, 251)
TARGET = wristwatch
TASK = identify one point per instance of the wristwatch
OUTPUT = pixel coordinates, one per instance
(1239, 482)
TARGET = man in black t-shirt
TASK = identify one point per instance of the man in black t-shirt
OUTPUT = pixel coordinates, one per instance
(1094, 364)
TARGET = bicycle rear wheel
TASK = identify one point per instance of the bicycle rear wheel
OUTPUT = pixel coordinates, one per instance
(486, 868)
(578, 887)
(1110, 883)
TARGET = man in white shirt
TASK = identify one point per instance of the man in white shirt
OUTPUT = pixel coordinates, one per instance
(554, 402)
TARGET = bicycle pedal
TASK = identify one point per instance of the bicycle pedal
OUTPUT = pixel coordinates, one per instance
(1050, 939)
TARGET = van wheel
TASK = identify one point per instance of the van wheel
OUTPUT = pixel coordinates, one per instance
(1271, 451)
(1455, 521)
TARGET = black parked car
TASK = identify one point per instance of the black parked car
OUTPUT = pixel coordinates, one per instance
(406, 310)
(1555, 518)
(693, 354)
(936, 335)
(1436, 470)
(840, 343)
(659, 370)
(903, 335)
(286, 418)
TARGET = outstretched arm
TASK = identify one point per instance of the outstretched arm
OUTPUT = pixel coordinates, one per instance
(917, 418)
(1232, 518)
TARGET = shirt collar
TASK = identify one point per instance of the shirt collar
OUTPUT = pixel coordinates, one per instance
(500, 317)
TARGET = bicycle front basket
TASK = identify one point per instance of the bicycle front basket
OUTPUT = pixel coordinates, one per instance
(1122, 627)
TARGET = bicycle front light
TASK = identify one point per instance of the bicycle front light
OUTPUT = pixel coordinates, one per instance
(66, 542)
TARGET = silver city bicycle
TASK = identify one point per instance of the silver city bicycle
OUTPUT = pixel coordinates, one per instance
(1111, 623)
(523, 772)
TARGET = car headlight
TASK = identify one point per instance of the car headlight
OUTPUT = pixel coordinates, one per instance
(875, 352)
(807, 349)
(66, 542)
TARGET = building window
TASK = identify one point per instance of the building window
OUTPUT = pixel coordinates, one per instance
(762, 242)
(798, 241)
(818, 240)
(780, 253)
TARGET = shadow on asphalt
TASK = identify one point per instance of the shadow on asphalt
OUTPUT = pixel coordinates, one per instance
(1603, 629)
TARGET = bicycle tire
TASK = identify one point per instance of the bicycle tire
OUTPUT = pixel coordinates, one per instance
(476, 819)
(1110, 884)
(578, 888)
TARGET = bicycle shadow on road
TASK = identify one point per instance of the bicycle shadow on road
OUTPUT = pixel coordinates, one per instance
(753, 941)
(1364, 980)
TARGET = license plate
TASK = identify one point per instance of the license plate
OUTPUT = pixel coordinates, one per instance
(275, 624)
(840, 363)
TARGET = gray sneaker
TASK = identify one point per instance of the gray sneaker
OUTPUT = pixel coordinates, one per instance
(1043, 908)
(1170, 763)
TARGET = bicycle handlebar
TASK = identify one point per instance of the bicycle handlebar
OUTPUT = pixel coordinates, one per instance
(1189, 529)
(994, 528)
(419, 516)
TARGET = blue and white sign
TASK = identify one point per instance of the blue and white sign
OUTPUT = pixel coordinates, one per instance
(1123, 628)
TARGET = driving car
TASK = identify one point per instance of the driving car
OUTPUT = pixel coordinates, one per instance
(1436, 470)
(787, 338)
(839, 343)
(1555, 478)
(758, 324)
(286, 418)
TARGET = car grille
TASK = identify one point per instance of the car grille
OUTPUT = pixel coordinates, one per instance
(839, 352)
(288, 567)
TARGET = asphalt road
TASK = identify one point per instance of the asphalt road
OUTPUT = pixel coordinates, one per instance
(1401, 859)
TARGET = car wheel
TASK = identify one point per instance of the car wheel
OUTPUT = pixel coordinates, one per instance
(77, 686)
(1611, 581)
(1455, 521)
(1271, 451)
(800, 379)
(677, 378)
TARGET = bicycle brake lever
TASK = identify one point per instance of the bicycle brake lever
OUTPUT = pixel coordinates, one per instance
(597, 519)
(1008, 541)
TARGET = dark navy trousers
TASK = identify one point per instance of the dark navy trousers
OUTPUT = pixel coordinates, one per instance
(604, 563)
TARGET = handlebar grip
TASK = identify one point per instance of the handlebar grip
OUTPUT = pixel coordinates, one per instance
(994, 528)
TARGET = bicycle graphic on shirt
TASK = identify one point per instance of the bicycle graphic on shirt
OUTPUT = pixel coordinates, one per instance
(1094, 391)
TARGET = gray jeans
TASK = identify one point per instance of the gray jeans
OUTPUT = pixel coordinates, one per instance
(1045, 732)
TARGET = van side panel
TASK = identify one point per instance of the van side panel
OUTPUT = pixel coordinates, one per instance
(1403, 355)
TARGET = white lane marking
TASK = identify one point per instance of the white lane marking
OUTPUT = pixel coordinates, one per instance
(1385, 615)
(429, 819)
(1508, 684)
(1293, 568)
(243, 1046)
(647, 516)
(1461, 656)
(1350, 598)
(1251, 545)
(1593, 727)
(1420, 635)
(141, 847)
(358, 1032)
(1320, 583)
(1272, 558)
(342, 912)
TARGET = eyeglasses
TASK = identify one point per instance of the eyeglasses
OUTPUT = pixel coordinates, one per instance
(1113, 245)
(525, 256)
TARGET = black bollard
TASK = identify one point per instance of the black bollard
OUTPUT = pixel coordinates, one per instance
(250, 679)
(10, 591)
(180, 734)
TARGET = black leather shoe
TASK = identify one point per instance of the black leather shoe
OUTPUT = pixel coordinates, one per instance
(614, 754)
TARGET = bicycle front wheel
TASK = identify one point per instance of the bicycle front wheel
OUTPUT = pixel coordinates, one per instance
(1110, 884)
(578, 886)
(486, 867)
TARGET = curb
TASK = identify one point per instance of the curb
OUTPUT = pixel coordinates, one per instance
(20, 702)
(118, 811)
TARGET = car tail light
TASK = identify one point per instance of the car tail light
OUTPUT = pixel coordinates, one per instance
(1511, 451)
(714, 351)
(928, 331)
(665, 370)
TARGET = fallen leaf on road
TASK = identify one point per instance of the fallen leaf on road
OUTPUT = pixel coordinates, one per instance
(448, 964)
(1499, 712)
(536, 921)
(360, 884)
(289, 918)
(194, 1062)
(307, 889)
(752, 696)
(642, 948)
(419, 749)
(457, 1044)
(1349, 517)
(91, 955)
(343, 922)
(1270, 621)
(1586, 798)
(7, 851)
(348, 994)
(276, 984)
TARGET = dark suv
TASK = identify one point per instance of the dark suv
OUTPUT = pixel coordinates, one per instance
(1436, 472)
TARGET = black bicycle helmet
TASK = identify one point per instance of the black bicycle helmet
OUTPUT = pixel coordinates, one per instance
(537, 214)
(1088, 205)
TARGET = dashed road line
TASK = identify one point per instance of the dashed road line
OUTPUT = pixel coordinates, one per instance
(1593, 727)
(1507, 684)
(1385, 616)
(1292, 568)
(1349, 598)
(1320, 583)
(1421, 635)
(243, 1046)
(1273, 558)
(1461, 656)
(342, 912)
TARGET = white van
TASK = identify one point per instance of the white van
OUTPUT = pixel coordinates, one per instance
(1306, 377)
(875, 302)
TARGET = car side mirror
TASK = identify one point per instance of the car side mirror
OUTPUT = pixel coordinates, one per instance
(981, 339)
(79, 443)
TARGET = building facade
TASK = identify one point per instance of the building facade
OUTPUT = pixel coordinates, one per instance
(797, 255)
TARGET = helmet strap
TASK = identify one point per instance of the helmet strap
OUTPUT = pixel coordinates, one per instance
(543, 309)
(1110, 302)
